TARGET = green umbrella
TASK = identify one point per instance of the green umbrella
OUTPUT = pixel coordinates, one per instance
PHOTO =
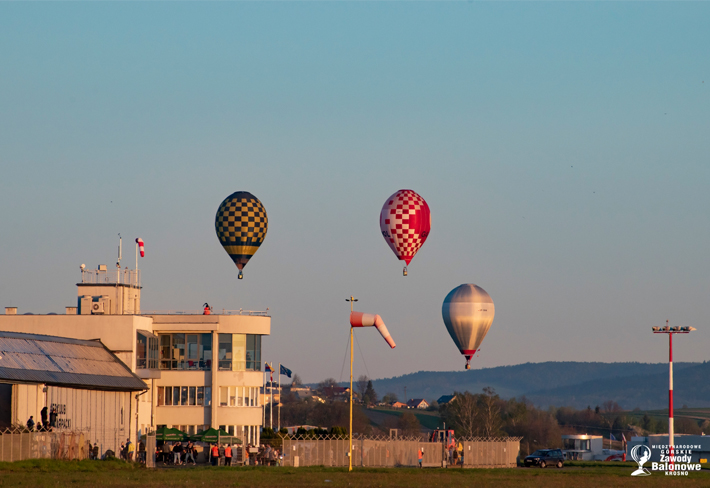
(165, 434)
(213, 435)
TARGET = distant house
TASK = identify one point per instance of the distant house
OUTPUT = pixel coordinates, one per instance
(445, 399)
(419, 403)
(336, 393)
(398, 405)
(301, 392)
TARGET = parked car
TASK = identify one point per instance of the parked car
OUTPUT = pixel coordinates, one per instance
(545, 457)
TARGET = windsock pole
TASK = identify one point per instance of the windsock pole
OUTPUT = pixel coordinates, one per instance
(350, 431)
(359, 319)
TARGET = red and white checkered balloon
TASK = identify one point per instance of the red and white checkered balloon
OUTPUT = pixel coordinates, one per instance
(405, 222)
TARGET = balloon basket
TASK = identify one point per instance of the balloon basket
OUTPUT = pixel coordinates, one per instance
(241, 275)
(404, 271)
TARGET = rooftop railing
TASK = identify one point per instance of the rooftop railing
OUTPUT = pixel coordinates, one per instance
(130, 277)
(261, 313)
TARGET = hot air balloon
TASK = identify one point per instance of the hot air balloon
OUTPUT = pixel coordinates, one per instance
(241, 226)
(468, 313)
(405, 222)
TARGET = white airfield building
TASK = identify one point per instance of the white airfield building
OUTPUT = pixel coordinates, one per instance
(199, 371)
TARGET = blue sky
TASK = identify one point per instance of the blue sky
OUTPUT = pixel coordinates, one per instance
(562, 148)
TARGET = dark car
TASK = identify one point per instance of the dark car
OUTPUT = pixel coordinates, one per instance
(545, 457)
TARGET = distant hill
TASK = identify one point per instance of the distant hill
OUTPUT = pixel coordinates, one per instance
(564, 383)
(649, 391)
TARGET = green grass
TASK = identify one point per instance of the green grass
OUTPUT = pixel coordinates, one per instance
(429, 420)
(118, 474)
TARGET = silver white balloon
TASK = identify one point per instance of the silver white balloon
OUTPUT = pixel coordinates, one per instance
(468, 313)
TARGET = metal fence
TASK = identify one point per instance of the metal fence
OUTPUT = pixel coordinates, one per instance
(18, 445)
(258, 313)
(395, 452)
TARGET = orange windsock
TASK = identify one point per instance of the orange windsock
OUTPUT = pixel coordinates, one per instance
(360, 319)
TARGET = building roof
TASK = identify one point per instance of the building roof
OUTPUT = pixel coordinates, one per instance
(415, 402)
(444, 399)
(59, 361)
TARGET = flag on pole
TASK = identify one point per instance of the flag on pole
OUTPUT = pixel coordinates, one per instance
(611, 436)
(285, 371)
(270, 369)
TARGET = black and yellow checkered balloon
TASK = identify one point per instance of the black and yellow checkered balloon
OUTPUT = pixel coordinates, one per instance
(241, 226)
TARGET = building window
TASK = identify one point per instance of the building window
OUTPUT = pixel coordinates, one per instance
(191, 396)
(192, 349)
(225, 351)
(239, 352)
(200, 395)
(141, 351)
(253, 356)
(176, 395)
(178, 351)
(208, 396)
(185, 351)
(165, 353)
(168, 395)
(161, 396)
(183, 396)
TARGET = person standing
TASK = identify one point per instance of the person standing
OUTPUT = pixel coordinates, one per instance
(141, 452)
(43, 415)
(190, 453)
(53, 417)
(228, 455)
(31, 424)
(130, 449)
(420, 456)
(177, 449)
(166, 453)
(214, 455)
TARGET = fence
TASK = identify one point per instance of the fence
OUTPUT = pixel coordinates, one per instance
(394, 452)
(16, 445)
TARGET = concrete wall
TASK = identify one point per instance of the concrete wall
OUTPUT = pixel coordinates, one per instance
(117, 332)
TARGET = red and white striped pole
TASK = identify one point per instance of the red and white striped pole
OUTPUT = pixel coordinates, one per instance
(670, 331)
(671, 434)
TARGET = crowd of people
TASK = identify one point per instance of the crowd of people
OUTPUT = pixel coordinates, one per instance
(224, 454)
(181, 454)
(48, 420)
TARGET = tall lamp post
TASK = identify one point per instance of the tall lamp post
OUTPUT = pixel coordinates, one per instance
(670, 331)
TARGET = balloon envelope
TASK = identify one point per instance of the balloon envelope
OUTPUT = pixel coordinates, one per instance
(241, 226)
(468, 313)
(405, 222)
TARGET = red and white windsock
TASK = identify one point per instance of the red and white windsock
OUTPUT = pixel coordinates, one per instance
(140, 243)
(359, 319)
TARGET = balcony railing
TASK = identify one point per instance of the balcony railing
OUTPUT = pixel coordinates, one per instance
(130, 277)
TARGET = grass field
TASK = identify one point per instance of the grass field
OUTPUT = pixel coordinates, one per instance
(43, 473)
(428, 420)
